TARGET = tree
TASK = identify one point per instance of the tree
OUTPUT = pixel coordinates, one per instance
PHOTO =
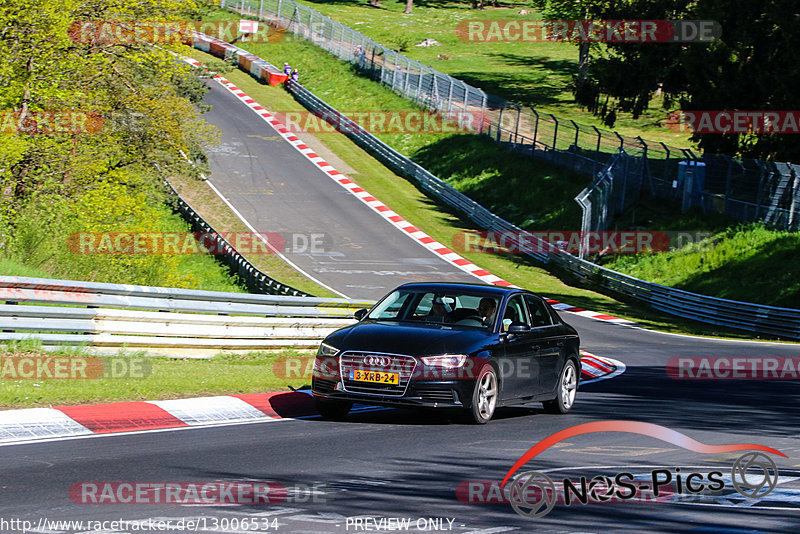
(574, 10)
(753, 66)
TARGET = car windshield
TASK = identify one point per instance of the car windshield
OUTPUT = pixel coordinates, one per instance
(444, 306)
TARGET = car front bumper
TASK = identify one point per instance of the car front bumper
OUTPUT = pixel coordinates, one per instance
(419, 393)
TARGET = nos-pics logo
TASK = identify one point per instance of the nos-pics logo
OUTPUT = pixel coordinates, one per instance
(534, 494)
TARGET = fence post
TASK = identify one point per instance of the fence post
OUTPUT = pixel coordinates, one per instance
(450, 94)
(466, 96)
(419, 85)
(599, 137)
(793, 207)
(500, 122)
(535, 129)
(621, 140)
(260, 10)
(576, 133)
(483, 108)
(761, 166)
(728, 182)
(516, 126)
(394, 72)
(555, 131)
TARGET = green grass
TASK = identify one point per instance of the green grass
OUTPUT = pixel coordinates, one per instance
(537, 75)
(502, 180)
(9, 267)
(205, 202)
(446, 226)
(164, 378)
(747, 262)
(50, 258)
(538, 196)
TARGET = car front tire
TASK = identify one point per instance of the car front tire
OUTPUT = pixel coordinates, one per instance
(566, 390)
(332, 409)
(484, 396)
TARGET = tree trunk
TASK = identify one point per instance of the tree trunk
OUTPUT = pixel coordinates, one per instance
(583, 63)
(409, 6)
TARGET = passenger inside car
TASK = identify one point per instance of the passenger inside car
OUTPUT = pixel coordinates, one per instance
(487, 309)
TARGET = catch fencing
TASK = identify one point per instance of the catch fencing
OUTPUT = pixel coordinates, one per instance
(784, 322)
(747, 190)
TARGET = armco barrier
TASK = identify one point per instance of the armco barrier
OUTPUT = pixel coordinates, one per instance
(255, 280)
(750, 190)
(167, 321)
(783, 322)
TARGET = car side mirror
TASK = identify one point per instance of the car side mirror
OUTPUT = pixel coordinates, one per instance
(518, 328)
(359, 314)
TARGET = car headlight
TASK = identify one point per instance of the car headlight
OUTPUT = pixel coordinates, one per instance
(327, 350)
(448, 361)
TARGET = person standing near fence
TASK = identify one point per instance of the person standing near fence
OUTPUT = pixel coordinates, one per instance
(295, 75)
(287, 69)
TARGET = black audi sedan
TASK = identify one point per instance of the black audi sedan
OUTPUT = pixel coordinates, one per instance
(470, 347)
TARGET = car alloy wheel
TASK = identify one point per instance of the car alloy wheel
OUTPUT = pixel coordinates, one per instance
(566, 391)
(484, 397)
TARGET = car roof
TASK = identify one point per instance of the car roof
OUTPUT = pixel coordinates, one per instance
(483, 288)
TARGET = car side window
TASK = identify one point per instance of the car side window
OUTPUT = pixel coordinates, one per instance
(424, 306)
(390, 307)
(539, 314)
(514, 312)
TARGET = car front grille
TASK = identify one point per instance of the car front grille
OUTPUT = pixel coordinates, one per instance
(395, 363)
(321, 385)
(435, 394)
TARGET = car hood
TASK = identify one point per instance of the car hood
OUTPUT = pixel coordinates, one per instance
(409, 338)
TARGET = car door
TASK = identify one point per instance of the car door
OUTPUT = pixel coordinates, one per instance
(518, 365)
(549, 338)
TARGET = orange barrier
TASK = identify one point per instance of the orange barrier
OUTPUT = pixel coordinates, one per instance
(274, 77)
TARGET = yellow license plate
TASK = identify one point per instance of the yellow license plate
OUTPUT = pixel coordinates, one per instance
(376, 377)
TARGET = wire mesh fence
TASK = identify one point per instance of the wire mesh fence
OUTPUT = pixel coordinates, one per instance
(745, 190)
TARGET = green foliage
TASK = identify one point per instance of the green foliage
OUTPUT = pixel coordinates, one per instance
(748, 262)
(751, 67)
(146, 106)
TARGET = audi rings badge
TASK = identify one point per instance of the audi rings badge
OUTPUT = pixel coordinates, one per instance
(378, 361)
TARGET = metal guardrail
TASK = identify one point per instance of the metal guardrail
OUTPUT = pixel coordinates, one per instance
(255, 280)
(748, 190)
(168, 321)
(783, 322)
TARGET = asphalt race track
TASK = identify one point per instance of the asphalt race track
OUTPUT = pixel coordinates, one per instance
(276, 189)
(382, 468)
